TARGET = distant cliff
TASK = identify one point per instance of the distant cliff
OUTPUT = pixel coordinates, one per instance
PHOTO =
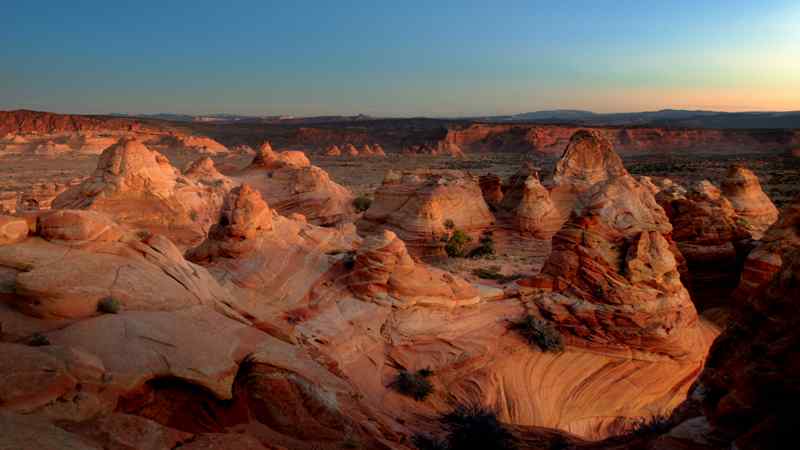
(24, 121)
(554, 138)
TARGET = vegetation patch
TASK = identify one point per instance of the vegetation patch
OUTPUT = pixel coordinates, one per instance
(414, 384)
(456, 246)
(109, 305)
(541, 333)
(493, 273)
(472, 427)
(651, 426)
(486, 247)
(362, 203)
(38, 340)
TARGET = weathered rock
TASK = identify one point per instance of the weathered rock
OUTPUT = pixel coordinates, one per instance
(754, 209)
(767, 259)
(290, 184)
(351, 150)
(82, 258)
(612, 280)
(536, 214)
(138, 186)
(709, 235)
(384, 272)
(12, 229)
(31, 432)
(127, 432)
(417, 204)
(750, 379)
(333, 150)
(492, 189)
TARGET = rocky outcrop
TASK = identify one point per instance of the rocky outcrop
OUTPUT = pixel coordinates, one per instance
(333, 150)
(384, 272)
(420, 205)
(754, 209)
(12, 229)
(536, 214)
(139, 187)
(710, 236)
(351, 150)
(77, 259)
(189, 143)
(492, 189)
(441, 148)
(612, 280)
(553, 139)
(748, 388)
(767, 259)
(290, 184)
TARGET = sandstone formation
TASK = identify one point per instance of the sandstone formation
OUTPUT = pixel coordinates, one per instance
(333, 150)
(536, 214)
(189, 143)
(290, 184)
(441, 148)
(384, 272)
(553, 139)
(139, 186)
(612, 280)
(709, 235)
(417, 206)
(767, 259)
(350, 150)
(492, 189)
(754, 209)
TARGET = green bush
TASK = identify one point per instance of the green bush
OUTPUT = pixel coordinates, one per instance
(109, 305)
(540, 332)
(38, 340)
(486, 247)
(415, 385)
(456, 245)
(362, 203)
(474, 427)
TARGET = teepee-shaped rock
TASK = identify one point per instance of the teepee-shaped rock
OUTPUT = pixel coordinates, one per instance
(333, 150)
(754, 209)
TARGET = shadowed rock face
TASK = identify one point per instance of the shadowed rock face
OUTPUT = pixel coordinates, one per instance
(710, 236)
(753, 207)
(749, 384)
(416, 205)
(767, 258)
(612, 280)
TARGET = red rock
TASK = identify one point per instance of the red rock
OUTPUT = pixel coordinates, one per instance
(416, 205)
(12, 229)
(333, 150)
(491, 187)
(754, 210)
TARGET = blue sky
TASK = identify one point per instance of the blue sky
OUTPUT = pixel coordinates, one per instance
(435, 58)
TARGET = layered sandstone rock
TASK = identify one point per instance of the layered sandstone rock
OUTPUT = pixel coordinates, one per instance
(748, 388)
(12, 229)
(536, 214)
(290, 184)
(139, 186)
(492, 189)
(333, 150)
(709, 235)
(420, 205)
(350, 150)
(384, 272)
(754, 209)
(612, 280)
(190, 143)
(767, 259)
(77, 259)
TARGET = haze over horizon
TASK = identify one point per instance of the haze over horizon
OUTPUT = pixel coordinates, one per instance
(414, 59)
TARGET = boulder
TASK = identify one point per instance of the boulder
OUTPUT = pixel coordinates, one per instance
(12, 229)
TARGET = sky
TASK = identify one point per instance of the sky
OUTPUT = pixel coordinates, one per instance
(399, 58)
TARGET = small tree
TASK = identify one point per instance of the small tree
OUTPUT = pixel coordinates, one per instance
(362, 203)
(457, 243)
(540, 332)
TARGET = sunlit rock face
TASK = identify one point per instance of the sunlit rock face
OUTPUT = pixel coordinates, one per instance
(612, 279)
(290, 184)
(423, 206)
(138, 186)
(754, 209)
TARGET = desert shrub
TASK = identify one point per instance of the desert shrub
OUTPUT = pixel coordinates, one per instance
(362, 203)
(349, 260)
(493, 273)
(475, 427)
(415, 385)
(194, 215)
(449, 224)
(486, 247)
(456, 244)
(651, 426)
(540, 332)
(425, 442)
(109, 305)
(38, 340)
